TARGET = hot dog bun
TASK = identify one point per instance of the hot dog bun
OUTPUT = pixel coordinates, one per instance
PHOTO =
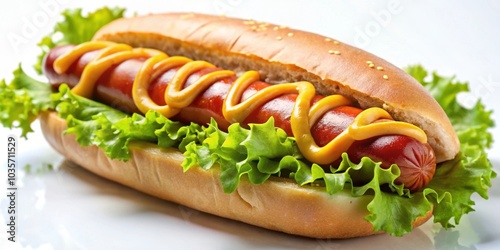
(279, 204)
(283, 54)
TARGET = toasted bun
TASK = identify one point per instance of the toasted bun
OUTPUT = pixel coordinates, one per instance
(277, 204)
(283, 54)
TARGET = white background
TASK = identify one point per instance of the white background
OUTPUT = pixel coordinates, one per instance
(72, 209)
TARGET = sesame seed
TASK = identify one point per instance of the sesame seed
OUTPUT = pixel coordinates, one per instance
(249, 22)
(371, 65)
(283, 27)
(279, 38)
(380, 68)
(336, 52)
(254, 27)
(290, 34)
(276, 28)
(386, 77)
(369, 62)
(333, 41)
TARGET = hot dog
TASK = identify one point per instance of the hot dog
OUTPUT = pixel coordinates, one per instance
(333, 118)
(350, 74)
(416, 160)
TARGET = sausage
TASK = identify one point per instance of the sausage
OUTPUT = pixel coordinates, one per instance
(416, 160)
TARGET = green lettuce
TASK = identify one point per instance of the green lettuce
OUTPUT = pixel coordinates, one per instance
(261, 151)
(94, 123)
(22, 100)
(76, 28)
(470, 172)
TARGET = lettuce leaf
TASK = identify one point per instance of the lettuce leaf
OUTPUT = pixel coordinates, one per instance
(454, 183)
(76, 28)
(22, 100)
(94, 123)
(470, 172)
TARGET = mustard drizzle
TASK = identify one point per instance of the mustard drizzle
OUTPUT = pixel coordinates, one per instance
(365, 125)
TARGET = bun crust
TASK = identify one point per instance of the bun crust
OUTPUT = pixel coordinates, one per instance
(278, 204)
(282, 54)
